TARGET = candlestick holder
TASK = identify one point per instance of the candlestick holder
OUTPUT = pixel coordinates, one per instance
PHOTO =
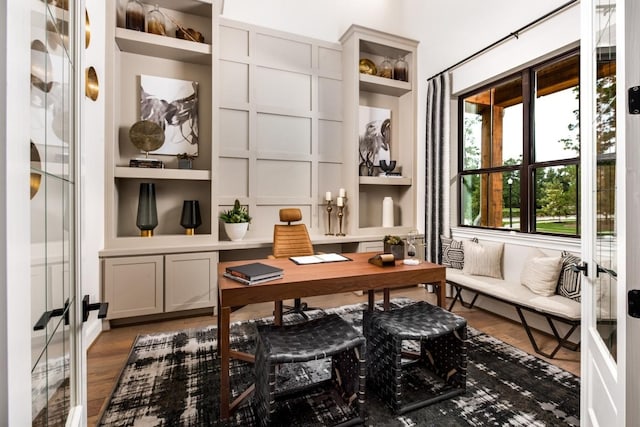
(340, 216)
(329, 209)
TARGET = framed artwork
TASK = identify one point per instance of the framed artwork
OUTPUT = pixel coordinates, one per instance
(173, 104)
(374, 137)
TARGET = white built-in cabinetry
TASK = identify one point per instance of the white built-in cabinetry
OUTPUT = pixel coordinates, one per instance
(380, 92)
(277, 128)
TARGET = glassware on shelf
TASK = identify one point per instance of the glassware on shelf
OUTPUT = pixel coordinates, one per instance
(411, 248)
(155, 22)
(401, 70)
(386, 69)
(135, 16)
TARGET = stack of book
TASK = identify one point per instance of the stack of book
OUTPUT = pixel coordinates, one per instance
(146, 163)
(254, 273)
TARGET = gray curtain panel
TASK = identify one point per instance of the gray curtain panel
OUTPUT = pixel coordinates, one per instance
(437, 165)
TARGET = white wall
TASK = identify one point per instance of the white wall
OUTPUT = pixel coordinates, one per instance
(448, 32)
(92, 170)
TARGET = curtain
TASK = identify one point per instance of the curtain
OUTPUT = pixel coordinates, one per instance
(437, 165)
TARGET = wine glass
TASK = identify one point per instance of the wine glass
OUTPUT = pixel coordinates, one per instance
(387, 167)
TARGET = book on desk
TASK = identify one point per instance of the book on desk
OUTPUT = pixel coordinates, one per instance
(319, 258)
(253, 273)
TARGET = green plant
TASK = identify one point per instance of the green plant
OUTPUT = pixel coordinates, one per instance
(392, 240)
(236, 214)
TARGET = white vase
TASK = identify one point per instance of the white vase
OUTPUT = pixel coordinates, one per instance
(236, 231)
(387, 212)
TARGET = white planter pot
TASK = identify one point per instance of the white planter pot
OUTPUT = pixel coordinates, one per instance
(236, 231)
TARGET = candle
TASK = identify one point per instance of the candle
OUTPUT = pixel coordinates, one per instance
(327, 196)
(340, 201)
(343, 192)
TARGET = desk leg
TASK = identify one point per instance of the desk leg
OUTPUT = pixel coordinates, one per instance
(442, 293)
(372, 300)
(223, 350)
(387, 293)
(277, 313)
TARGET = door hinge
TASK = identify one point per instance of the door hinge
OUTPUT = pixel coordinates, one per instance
(634, 100)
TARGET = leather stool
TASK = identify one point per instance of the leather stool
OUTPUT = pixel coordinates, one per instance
(442, 338)
(328, 336)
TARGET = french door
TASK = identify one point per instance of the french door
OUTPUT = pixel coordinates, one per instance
(610, 189)
(57, 358)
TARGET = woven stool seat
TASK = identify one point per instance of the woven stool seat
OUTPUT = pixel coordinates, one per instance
(328, 336)
(441, 361)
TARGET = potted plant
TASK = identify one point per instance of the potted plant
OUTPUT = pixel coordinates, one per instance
(394, 245)
(236, 221)
(185, 161)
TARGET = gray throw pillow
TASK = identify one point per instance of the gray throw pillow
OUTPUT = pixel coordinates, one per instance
(569, 281)
(453, 252)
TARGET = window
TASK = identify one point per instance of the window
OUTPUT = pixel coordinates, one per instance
(519, 151)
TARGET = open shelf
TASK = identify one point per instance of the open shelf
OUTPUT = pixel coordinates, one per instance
(156, 173)
(163, 46)
(383, 180)
(369, 83)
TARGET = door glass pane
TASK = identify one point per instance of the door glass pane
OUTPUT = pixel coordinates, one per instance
(605, 138)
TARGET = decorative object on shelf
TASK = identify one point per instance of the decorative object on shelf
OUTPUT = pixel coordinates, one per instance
(155, 22)
(185, 161)
(147, 218)
(341, 201)
(394, 245)
(190, 218)
(388, 167)
(387, 212)
(236, 221)
(328, 199)
(173, 104)
(189, 34)
(87, 29)
(374, 137)
(134, 16)
(91, 85)
(401, 70)
(146, 136)
(386, 69)
(411, 249)
(35, 178)
(366, 66)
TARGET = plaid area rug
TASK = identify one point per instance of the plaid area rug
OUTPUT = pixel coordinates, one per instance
(171, 379)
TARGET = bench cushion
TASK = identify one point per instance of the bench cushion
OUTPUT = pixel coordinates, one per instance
(517, 294)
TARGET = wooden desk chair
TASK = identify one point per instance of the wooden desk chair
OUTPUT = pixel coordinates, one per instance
(292, 240)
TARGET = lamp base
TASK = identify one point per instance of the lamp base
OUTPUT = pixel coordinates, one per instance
(146, 233)
(189, 231)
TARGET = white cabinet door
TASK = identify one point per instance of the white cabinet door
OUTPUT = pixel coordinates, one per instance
(191, 280)
(133, 286)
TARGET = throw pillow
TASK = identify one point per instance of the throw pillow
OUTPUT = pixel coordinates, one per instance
(452, 254)
(483, 259)
(540, 274)
(569, 281)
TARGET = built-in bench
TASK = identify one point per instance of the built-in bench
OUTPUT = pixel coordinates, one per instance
(518, 263)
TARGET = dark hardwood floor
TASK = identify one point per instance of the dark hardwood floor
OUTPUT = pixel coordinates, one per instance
(107, 355)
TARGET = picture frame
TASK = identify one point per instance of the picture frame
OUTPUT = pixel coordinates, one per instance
(173, 104)
(374, 130)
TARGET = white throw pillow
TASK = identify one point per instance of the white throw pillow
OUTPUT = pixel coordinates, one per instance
(483, 259)
(540, 274)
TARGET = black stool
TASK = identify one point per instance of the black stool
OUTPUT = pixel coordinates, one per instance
(328, 336)
(439, 370)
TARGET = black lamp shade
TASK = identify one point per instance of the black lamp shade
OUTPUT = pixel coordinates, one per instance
(147, 218)
(190, 218)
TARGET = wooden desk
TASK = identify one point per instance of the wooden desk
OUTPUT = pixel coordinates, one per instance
(301, 281)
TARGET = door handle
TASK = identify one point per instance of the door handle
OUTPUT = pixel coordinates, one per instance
(102, 308)
(584, 268)
(610, 272)
(47, 315)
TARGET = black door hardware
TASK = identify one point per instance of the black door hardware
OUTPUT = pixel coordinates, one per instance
(102, 308)
(633, 302)
(47, 315)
